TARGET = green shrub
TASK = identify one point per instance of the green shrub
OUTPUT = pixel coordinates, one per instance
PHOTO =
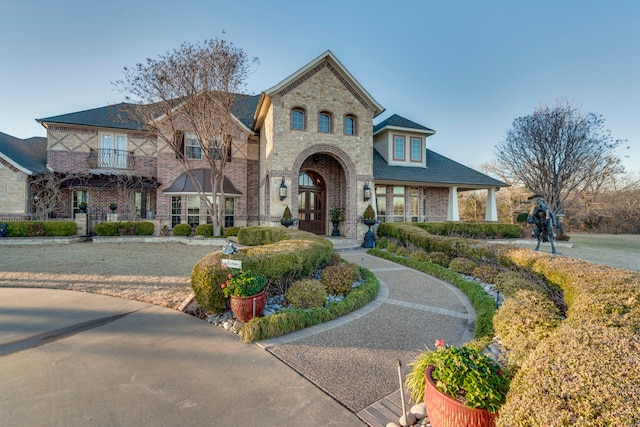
(485, 273)
(619, 309)
(206, 277)
(440, 258)
(392, 247)
(420, 256)
(472, 230)
(40, 228)
(581, 376)
(510, 282)
(290, 319)
(182, 230)
(522, 217)
(522, 322)
(403, 252)
(463, 265)
(306, 293)
(124, 228)
(338, 279)
(231, 231)
(205, 230)
(382, 243)
(369, 213)
(336, 259)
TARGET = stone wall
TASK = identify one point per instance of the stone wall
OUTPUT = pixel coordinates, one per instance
(13, 189)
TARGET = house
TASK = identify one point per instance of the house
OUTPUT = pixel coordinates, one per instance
(19, 160)
(309, 143)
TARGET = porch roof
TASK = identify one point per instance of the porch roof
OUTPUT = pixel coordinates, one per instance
(184, 185)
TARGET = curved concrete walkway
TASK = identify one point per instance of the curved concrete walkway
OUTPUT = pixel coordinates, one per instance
(69, 358)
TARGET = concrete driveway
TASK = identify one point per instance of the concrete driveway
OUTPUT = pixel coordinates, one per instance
(76, 359)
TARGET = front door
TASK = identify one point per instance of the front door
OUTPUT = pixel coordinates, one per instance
(311, 195)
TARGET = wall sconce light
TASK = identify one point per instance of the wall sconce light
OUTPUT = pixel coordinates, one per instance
(367, 191)
(35, 196)
(283, 190)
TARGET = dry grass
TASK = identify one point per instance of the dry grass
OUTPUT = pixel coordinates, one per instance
(156, 273)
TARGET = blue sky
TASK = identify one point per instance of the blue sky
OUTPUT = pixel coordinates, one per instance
(464, 68)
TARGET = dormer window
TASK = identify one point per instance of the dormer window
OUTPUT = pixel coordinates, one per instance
(297, 119)
(324, 122)
(416, 149)
(398, 148)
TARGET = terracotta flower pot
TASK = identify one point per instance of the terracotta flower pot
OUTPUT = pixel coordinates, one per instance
(242, 307)
(445, 411)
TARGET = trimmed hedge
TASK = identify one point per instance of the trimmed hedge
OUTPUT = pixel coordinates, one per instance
(40, 228)
(580, 376)
(183, 230)
(124, 228)
(291, 319)
(205, 230)
(306, 293)
(286, 260)
(472, 230)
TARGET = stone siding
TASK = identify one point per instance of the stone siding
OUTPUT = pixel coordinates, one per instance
(13, 188)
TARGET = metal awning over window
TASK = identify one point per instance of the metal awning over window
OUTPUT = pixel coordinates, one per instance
(184, 185)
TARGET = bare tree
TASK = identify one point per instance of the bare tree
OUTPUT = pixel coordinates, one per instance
(192, 89)
(48, 191)
(509, 199)
(559, 152)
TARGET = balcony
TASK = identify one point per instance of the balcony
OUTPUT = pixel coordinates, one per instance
(110, 159)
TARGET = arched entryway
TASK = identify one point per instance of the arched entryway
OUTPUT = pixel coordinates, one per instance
(311, 202)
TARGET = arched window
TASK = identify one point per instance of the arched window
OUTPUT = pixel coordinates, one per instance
(349, 125)
(297, 119)
(324, 122)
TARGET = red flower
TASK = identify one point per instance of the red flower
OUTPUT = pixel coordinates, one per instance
(223, 285)
(440, 344)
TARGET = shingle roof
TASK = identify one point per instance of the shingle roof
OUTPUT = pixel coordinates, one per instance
(30, 154)
(245, 108)
(111, 116)
(440, 170)
(397, 121)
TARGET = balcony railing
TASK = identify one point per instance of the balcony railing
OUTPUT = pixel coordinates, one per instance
(106, 158)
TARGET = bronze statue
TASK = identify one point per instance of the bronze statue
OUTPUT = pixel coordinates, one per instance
(543, 221)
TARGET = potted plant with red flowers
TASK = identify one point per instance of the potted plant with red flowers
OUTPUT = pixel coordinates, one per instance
(461, 387)
(246, 294)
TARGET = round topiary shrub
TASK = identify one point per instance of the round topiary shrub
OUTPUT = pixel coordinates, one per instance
(205, 230)
(392, 247)
(306, 293)
(336, 259)
(463, 265)
(338, 279)
(182, 230)
(420, 256)
(382, 243)
(523, 321)
(206, 277)
(440, 258)
(510, 282)
(580, 376)
(485, 273)
(231, 231)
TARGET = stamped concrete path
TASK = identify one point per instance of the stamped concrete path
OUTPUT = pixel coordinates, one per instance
(354, 358)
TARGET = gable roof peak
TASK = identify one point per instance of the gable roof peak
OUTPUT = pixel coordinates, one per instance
(398, 122)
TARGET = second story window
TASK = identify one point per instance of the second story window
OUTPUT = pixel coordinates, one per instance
(112, 150)
(349, 125)
(297, 119)
(324, 123)
(416, 149)
(192, 148)
(398, 148)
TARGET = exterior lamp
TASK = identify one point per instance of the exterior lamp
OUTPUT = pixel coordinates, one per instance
(367, 191)
(283, 190)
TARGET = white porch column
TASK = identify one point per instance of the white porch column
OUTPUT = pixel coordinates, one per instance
(492, 211)
(453, 214)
